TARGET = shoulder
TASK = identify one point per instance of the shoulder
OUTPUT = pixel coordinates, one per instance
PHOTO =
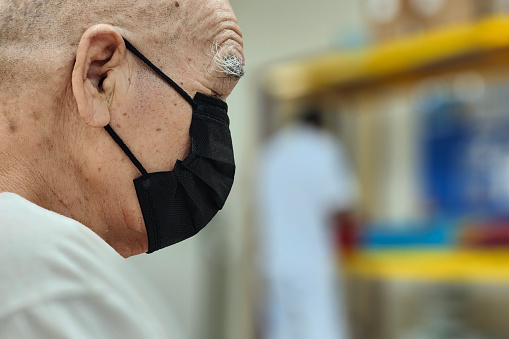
(20, 217)
(53, 266)
(28, 230)
(46, 255)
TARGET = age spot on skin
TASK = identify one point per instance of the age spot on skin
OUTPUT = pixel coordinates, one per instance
(12, 127)
(177, 4)
(159, 130)
(99, 169)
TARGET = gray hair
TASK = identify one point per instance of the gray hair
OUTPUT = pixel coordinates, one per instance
(230, 65)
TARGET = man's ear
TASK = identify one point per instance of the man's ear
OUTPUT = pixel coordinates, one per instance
(100, 54)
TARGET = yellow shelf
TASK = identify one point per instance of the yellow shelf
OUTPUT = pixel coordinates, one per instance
(488, 266)
(296, 79)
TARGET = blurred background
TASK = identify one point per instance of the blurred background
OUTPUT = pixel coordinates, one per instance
(415, 94)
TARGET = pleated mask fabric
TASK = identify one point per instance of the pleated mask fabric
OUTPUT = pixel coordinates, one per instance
(178, 204)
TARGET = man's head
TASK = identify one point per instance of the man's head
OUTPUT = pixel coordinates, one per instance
(67, 74)
(311, 116)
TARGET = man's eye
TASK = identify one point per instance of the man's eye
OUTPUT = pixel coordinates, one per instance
(216, 95)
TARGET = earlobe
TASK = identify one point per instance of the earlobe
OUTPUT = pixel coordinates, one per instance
(100, 58)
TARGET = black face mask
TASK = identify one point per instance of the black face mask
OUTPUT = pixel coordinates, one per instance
(178, 204)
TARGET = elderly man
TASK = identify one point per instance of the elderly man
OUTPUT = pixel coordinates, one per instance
(114, 139)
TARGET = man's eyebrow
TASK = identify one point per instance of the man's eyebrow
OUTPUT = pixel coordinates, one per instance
(230, 65)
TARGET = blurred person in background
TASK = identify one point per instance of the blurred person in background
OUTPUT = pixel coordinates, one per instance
(83, 113)
(304, 182)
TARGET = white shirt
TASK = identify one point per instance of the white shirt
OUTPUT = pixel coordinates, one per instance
(304, 180)
(58, 279)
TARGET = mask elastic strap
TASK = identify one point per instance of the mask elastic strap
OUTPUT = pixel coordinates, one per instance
(126, 150)
(160, 73)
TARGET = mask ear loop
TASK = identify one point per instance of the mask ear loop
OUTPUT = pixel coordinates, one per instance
(126, 150)
(160, 73)
(166, 78)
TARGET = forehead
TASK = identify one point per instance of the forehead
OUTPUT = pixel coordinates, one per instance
(211, 22)
(209, 32)
(191, 38)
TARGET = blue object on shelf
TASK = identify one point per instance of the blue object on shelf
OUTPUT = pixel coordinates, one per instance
(441, 233)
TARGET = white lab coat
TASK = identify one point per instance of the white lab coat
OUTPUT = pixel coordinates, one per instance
(304, 179)
(58, 279)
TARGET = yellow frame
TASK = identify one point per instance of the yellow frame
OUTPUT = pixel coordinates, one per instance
(439, 265)
(297, 79)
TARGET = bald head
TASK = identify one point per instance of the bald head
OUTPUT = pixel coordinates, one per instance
(41, 30)
(66, 74)
(36, 31)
